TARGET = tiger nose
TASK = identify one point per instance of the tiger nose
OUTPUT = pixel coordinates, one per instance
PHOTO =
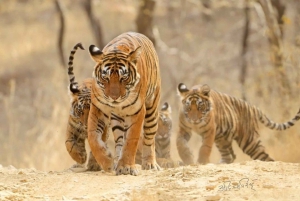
(115, 96)
(114, 91)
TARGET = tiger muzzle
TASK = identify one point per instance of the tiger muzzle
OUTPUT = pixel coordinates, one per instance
(114, 91)
(114, 86)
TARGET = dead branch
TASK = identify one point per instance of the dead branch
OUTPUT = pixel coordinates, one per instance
(94, 22)
(60, 32)
(244, 49)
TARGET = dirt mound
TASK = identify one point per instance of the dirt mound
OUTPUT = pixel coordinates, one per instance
(252, 180)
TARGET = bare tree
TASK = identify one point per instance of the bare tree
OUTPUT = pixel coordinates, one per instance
(273, 12)
(60, 32)
(244, 49)
(94, 22)
(145, 18)
(207, 9)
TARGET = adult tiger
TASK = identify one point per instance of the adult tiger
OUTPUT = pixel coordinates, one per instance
(77, 123)
(221, 118)
(125, 94)
(162, 140)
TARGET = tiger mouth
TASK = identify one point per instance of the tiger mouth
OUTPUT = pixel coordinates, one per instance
(193, 121)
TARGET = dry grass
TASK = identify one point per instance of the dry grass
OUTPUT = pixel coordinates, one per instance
(33, 87)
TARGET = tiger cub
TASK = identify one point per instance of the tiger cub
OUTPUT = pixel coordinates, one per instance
(162, 139)
(221, 119)
(77, 123)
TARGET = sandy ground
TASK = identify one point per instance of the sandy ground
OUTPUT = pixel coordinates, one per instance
(251, 180)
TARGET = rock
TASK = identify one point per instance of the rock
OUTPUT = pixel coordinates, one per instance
(267, 186)
(210, 187)
(212, 198)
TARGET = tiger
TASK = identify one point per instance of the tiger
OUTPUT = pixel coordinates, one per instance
(162, 139)
(125, 93)
(221, 118)
(76, 133)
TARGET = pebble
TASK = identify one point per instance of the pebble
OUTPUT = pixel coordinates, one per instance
(210, 187)
(212, 198)
(268, 186)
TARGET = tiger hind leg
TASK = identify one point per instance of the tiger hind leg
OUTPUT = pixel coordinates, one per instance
(92, 164)
(255, 150)
(226, 151)
(76, 149)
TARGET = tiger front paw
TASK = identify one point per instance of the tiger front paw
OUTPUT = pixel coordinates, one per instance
(105, 161)
(168, 163)
(150, 165)
(107, 164)
(122, 168)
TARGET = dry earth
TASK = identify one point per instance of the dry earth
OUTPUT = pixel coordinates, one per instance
(251, 180)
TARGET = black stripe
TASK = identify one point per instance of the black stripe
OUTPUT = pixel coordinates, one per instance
(149, 115)
(259, 156)
(154, 104)
(105, 115)
(181, 122)
(100, 100)
(147, 144)
(153, 133)
(151, 126)
(135, 112)
(118, 138)
(137, 96)
(119, 128)
(115, 117)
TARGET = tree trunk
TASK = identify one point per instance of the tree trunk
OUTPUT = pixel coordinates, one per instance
(275, 36)
(145, 18)
(94, 22)
(244, 49)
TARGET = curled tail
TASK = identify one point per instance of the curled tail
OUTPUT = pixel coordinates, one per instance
(277, 126)
(73, 85)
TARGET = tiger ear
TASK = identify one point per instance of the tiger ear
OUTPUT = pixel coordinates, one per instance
(166, 107)
(182, 89)
(96, 53)
(205, 90)
(135, 54)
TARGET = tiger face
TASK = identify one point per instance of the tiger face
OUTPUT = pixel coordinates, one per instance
(195, 102)
(164, 123)
(80, 102)
(116, 72)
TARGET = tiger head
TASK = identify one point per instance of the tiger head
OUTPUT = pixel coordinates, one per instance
(195, 102)
(80, 102)
(116, 72)
(164, 122)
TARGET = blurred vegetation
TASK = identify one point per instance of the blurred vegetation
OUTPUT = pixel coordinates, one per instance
(197, 42)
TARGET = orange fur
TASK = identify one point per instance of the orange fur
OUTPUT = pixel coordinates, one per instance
(221, 119)
(125, 94)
